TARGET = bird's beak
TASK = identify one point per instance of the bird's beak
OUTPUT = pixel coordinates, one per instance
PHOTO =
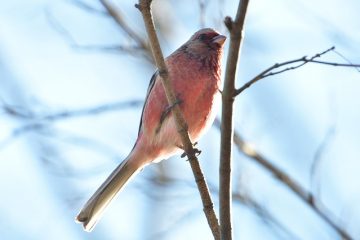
(219, 40)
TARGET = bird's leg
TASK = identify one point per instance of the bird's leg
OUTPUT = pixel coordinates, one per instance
(166, 112)
(196, 151)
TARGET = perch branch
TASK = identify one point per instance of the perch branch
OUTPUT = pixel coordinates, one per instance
(145, 8)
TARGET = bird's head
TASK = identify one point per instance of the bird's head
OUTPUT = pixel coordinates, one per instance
(205, 41)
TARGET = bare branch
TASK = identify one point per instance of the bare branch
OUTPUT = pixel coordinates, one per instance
(142, 44)
(236, 29)
(116, 14)
(329, 136)
(324, 145)
(346, 59)
(41, 121)
(145, 8)
(299, 190)
(92, 110)
(291, 183)
(91, 144)
(133, 50)
(87, 7)
(219, 20)
(202, 14)
(302, 61)
(238, 197)
(335, 64)
(16, 111)
(262, 212)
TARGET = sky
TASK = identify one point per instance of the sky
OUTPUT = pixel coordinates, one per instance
(48, 174)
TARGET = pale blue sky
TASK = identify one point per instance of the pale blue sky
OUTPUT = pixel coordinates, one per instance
(285, 117)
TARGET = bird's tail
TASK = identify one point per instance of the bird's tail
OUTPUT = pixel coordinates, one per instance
(95, 206)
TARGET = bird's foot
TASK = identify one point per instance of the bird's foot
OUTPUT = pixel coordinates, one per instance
(196, 151)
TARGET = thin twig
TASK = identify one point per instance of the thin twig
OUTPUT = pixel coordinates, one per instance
(295, 187)
(346, 59)
(238, 197)
(324, 145)
(16, 111)
(301, 62)
(202, 14)
(92, 110)
(40, 121)
(227, 127)
(284, 178)
(118, 17)
(88, 8)
(335, 64)
(145, 8)
(116, 14)
(74, 44)
(316, 162)
(263, 213)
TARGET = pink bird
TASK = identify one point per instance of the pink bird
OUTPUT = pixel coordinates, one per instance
(194, 71)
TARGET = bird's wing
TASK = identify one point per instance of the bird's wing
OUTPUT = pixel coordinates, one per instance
(150, 87)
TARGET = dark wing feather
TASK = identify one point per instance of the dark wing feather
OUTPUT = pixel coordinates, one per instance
(150, 87)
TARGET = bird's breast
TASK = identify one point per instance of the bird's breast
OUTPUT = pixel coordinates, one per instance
(197, 87)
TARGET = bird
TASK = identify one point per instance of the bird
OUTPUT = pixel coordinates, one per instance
(194, 70)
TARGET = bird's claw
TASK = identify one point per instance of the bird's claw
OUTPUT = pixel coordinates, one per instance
(196, 151)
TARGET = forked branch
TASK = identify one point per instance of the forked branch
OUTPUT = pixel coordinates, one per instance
(300, 62)
(236, 29)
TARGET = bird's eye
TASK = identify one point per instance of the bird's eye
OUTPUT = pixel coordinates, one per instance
(202, 37)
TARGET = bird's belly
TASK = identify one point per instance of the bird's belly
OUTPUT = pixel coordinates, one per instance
(198, 94)
(201, 114)
(199, 111)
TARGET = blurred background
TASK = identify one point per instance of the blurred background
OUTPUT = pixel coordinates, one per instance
(73, 77)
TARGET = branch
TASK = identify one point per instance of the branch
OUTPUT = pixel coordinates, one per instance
(284, 178)
(240, 197)
(73, 43)
(118, 18)
(302, 61)
(18, 112)
(262, 212)
(202, 12)
(145, 8)
(92, 110)
(227, 128)
(39, 121)
(335, 64)
(346, 59)
(317, 159)
(307, 197)
(88, 7)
